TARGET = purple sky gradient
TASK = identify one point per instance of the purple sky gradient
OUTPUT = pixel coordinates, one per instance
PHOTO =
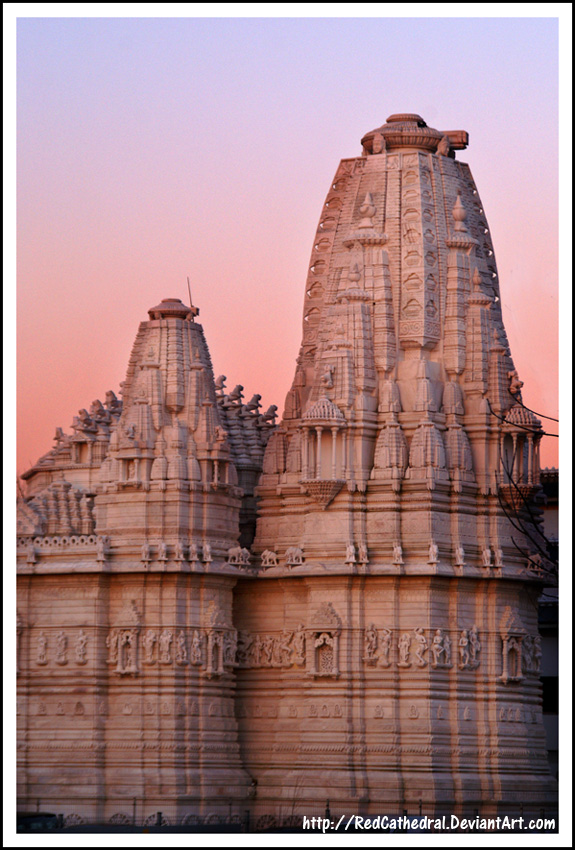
(154, 149)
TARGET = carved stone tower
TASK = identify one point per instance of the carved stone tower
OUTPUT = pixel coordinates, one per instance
(397, 601)
(378, 645)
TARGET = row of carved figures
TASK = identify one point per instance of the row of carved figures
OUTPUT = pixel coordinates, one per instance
(216, 649)
(294, 556)
(62, 648)
(378, 643)
(239, 556)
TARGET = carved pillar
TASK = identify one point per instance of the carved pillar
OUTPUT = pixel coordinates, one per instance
(318, 429)
(334, 431)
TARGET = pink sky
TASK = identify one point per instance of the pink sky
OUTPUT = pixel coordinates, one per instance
(150, 150)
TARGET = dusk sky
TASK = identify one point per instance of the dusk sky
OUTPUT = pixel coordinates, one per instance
(153, 149)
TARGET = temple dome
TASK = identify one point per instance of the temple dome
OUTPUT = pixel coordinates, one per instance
(172, 308)
(324, 410)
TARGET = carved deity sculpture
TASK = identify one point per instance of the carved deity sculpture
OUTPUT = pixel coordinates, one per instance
(166, 638)
(433, 553)
(193, 556)
(447, 648)
(146, 554)
(464, 649)
(474, 647)
(181, 650)
(196, 652)
(460, 556)
(362, 553)
(149, 641)
(421, 647)
(350, 554)
(403, 646)
(112, 644)
(80, 648)
(537, 654)
(42, 646)
(162, 552)
(100, 550)
(299, 646)
(527, 654)
(230, 648)
(61, 648)
(486, 556)
(207, 553)
(179, 553)
(397, 554)
(437, 648)
(370, 644)
(385, 647)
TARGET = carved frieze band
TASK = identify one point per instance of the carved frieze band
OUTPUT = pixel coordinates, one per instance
(415, 649)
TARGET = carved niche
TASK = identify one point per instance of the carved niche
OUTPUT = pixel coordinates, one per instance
(512, 635)
(324, 633)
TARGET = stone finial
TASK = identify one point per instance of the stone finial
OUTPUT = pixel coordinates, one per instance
(367, 210)
(459, 214)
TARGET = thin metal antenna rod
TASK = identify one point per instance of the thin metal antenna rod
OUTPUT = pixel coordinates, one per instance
(190, 292)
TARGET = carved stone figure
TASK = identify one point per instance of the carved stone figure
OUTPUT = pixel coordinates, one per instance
(179, 553)
(193, 555)
(397, 554)
(385, 647)
(269, 558)
(294, 556)
(81, 647)
(433, 554)
(299, 646)
(181, 649)
(370, 644)
(403, 646)
(514, 383)
(444, 146)
(146, 553)
(162, 552)
(166, 638)
(327, 377)
(474, 647)
(41, 648)
(447, 649)
(196, 651)
(498, 558)
(207, 553)
(61, 648)
(486, 556)
(537, 653)
(230, 648)
(286, 648)
(30, 553)
(420, 648)
(100, 550)
(362, 553)
(149, 641)
(112, 644)
(527, 654)
(350, 554)
(460, 556)
(464, 649)
(437, 648)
